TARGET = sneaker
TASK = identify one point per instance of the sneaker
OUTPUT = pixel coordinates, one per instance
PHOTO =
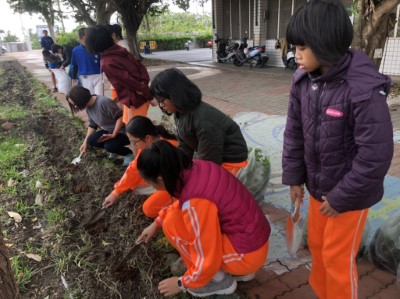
(127, 159)
(55, 89)
(247, 277)
(226, 286)
(112, 156)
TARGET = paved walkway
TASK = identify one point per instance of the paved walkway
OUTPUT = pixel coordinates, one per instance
(257, 99)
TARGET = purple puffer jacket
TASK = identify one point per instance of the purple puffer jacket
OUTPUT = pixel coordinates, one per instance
(339, 137)
(240, 217)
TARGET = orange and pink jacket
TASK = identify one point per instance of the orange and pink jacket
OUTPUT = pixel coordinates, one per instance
(207, 185)
(131, 178)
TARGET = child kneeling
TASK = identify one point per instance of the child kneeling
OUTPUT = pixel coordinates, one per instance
(216, 225)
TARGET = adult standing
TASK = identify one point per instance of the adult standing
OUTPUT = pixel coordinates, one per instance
(46, 41)
(86, 67)
(127, 74)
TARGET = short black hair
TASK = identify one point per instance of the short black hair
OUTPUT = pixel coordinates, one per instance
(55, 48)
(118, 31)
(141, 126)
(174, 85)
(325, 27)
(164, 160)
(45, 31)
(98, 39)
(82, 32)
(77, 98)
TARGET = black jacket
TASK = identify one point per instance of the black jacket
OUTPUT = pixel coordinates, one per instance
(212, 134)
(66, 55)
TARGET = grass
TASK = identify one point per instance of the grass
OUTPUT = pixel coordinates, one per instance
(12, 149)
(22, 273)
(12, 112)
(54, 215)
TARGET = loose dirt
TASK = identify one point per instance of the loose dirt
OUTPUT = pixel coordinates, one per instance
(86, 258)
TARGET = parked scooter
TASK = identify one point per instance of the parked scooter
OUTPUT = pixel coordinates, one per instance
(290, 59)
(254, 56)
(288, 54)
(225, 53)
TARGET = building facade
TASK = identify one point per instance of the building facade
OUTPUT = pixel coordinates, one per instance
(265, 22)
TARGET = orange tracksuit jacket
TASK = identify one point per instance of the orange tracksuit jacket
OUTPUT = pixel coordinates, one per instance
(131, 178)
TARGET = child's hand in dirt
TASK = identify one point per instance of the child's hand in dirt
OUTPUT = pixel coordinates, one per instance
(109, 200)
(148, 233)
(83, 147)
(297, 192)
(326, 208)
(169, 286)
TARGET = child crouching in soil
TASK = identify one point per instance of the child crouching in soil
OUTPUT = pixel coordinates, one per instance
(106, 130)
(142, 133)
(216, 225)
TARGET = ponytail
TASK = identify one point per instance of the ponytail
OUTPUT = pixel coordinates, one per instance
(163, 160)
(141, 126)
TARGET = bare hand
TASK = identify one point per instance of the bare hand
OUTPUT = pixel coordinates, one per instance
(297, 192)
(326, 208)
(109, 200)
(105, 137)
(148, 233)
(153, 103)
(169, 287)
(83, 147)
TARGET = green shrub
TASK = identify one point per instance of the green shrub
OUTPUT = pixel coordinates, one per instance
(68, 38)
(35, 41)
(166, 42)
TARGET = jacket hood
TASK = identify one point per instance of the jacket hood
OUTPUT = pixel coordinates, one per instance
(115, 50)
(357, 69)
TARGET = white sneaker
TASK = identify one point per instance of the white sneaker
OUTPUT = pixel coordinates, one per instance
(112, 156)
(247, 277)
(127, 159)
(226, 286)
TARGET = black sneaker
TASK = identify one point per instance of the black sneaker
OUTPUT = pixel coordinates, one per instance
(226, 286)
(55, 89)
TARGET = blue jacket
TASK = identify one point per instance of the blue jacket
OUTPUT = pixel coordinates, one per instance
(46, 42)
(338, 138)
(83, 63)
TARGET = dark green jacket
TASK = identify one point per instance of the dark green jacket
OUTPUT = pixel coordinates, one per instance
(212, 134)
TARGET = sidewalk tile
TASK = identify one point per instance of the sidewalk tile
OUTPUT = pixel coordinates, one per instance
(295, 278)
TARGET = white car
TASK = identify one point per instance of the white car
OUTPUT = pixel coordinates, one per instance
(3, 50)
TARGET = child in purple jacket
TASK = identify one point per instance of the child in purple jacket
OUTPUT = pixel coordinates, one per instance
(338, 141)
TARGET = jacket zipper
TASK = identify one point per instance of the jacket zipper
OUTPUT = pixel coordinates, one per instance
(316, 136)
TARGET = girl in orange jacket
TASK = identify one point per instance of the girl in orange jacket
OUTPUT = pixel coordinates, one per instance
(141, 133)
(215, 224)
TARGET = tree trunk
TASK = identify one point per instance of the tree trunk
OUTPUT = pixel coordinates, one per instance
(372, 25)
(132, 22)
(8, 287)
(60, 15)
(131, 36)
(104, 11)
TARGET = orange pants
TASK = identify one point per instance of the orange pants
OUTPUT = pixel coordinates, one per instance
(131, 112)
(160, 199)
(333, 244)
(232, 262)
(234, 167)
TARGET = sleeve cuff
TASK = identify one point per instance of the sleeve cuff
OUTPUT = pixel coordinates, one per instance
(158, 221)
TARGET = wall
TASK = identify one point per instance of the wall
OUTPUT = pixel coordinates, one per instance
(390, 64)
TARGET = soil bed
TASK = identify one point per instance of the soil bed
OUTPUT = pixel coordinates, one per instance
(76, 262)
